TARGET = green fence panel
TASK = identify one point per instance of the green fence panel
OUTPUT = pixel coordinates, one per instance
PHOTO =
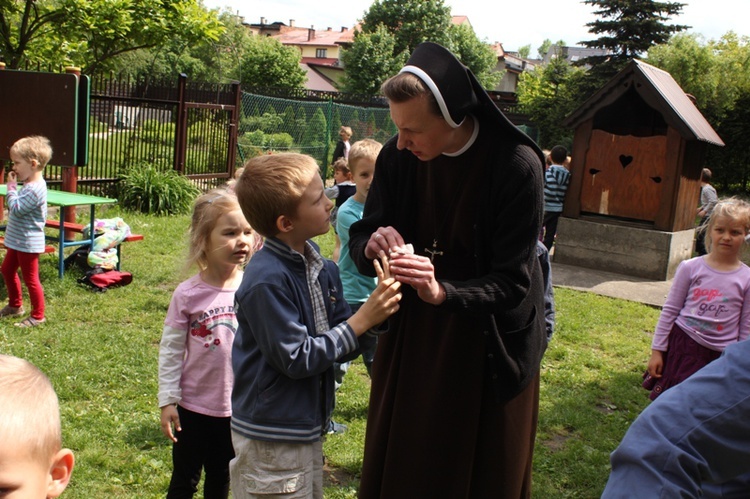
(273, 124)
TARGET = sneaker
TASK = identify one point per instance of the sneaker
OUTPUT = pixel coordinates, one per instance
(334, 427)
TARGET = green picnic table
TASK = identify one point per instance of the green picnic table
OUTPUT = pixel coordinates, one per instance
(63, 199)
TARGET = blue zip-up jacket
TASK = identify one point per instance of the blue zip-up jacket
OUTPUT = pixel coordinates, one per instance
(283, 371)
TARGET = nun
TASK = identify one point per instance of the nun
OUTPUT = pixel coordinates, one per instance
(455, 384)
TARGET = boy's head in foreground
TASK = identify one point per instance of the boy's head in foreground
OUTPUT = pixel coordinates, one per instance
(282, 196)
(362, 158)
(33, 464)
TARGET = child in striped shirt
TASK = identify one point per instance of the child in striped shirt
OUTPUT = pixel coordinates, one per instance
(24, 234)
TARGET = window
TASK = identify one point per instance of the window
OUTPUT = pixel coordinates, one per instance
(321, 53)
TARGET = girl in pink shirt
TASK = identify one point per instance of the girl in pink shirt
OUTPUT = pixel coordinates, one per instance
(195, 369)
(708, 306)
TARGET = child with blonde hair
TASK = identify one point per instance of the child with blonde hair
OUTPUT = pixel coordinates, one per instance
(708, 305)
(33, 464)
(342, 147)
(24, 234)
(195, 371)
(358, 287)
(293, 325)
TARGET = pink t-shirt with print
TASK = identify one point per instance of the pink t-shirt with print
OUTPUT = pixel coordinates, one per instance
(711, 306)
(201, 320)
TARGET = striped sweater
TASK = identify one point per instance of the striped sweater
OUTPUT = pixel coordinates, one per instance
(27, 212)
(556, 180)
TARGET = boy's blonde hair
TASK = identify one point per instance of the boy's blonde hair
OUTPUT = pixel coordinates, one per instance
(272, 186)
(29, 410)
(207, 209)
(733, 208)
(33, 147)
(363, 149)
(347, 130)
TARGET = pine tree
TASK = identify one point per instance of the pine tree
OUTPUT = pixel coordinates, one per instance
(628, 28)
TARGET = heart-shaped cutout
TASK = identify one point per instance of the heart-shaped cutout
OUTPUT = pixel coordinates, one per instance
(625, 160)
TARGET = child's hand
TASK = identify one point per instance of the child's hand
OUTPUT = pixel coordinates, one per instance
(382, 271)
(656, 363)
(12, 177)
(170, 416)
(382, 303)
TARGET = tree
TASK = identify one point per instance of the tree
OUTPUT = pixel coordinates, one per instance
(476, 55)
(693, 66)
(393, 28)
(524, 51)
(628, 28)
(544, 48)
(410, 21)
(268, 63)
(717, 74)
(91, 33)
(548, 94)
(208, 60)
(370, 61)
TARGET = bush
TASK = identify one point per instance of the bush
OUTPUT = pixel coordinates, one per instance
(96, 126)
(147, 190)
(275, 141)
(154, 132)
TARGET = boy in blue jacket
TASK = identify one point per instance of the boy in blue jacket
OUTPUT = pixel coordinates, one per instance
(293, 324)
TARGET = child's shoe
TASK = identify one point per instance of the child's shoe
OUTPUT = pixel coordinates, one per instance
(8, 311)
(30, 322)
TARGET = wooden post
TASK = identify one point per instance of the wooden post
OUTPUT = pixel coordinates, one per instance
(234, 125)
(70, 173)
(181, 130)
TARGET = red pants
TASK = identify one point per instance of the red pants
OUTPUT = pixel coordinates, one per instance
(29, 264)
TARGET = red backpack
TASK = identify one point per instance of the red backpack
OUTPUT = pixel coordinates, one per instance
(101, 280)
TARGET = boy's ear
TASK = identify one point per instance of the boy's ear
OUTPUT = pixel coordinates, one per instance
(284, 224)
(60, 472)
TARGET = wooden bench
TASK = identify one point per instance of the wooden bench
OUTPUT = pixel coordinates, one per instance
(72, 227)
(47, 248)
(78, 228)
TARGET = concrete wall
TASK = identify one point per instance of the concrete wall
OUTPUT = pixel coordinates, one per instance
(645, 253)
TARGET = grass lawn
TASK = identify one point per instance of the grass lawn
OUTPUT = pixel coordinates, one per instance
(101, 350)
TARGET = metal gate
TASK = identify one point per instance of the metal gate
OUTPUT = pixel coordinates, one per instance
(188, 126)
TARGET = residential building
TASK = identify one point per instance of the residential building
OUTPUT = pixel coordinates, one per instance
(572, 54)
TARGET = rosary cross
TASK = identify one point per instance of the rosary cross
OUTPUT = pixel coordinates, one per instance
(433, 252)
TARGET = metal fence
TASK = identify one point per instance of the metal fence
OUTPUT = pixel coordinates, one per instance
(206, 131)
(179, 125)
(308, 121)
(275, 124)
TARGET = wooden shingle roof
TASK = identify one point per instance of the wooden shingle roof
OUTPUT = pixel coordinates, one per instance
(660, 91)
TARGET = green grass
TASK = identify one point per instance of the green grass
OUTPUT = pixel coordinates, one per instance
(101, 351)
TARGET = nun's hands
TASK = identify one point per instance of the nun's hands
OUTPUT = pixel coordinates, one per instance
(418, 272)
(382, 241)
